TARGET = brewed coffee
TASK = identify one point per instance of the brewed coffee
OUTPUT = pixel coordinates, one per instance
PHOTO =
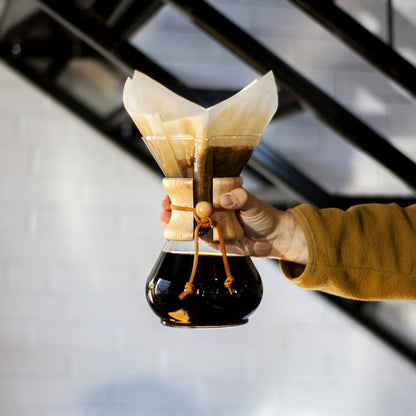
(223, 161)
(211, 304)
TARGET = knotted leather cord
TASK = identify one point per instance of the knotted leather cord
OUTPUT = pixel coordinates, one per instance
(205, 222)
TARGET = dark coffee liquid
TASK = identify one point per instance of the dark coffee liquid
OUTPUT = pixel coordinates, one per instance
(222, 161)
(211, 304)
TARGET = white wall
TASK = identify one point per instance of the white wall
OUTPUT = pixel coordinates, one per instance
(79, 231)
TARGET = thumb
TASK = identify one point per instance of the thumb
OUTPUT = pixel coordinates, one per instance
(259, 216)
(238, 198)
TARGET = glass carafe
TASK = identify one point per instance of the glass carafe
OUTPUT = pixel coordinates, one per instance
(203, 276)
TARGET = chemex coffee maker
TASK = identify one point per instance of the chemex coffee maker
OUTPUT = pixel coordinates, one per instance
(203, 276)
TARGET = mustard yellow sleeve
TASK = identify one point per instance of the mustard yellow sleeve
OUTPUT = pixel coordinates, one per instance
(367, 252)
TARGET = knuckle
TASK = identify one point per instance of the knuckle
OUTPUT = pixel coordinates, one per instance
(241, 196)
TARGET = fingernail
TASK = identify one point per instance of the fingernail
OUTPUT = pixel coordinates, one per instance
(226, 200)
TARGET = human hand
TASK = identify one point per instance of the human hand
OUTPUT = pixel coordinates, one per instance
(268, 232)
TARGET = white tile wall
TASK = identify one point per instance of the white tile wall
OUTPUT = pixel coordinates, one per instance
(79, 231)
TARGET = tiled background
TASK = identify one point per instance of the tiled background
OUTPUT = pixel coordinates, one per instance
(79, 231)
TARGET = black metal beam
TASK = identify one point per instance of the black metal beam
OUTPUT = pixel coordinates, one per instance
(135, 16)
(54, 48)
(372, 48)
(278, 170)
(103, 9)
(329, 110)
(390, 23)
(38, 36)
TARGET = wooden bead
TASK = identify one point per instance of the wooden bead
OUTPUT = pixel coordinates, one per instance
(203, 209)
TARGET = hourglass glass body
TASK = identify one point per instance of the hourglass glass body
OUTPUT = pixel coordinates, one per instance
(212, 254)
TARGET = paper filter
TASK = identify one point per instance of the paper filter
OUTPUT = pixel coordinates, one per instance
(176, 130)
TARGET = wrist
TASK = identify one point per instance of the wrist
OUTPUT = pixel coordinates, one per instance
(290, 242)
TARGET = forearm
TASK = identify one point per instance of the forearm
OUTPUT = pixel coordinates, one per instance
(366, 252)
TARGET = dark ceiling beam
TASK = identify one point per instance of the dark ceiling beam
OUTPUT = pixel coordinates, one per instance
(390, 23)
(104, 8)
(40, 37)
(56, 67)
(135, 16)
(326, 108)
(369, 46)
(56, 48)
(278, 171)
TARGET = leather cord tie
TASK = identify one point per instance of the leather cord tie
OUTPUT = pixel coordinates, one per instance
(205, 220)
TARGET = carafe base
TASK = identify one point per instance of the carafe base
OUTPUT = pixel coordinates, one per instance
(202, 326)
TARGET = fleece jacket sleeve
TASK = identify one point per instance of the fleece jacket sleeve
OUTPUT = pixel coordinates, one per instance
(367, 252)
